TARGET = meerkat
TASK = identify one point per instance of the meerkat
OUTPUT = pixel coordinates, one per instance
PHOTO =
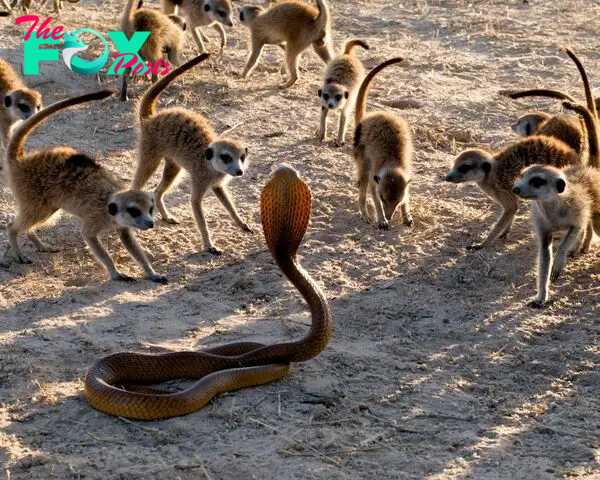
(496, 173)
(166, 38)
(61, 178)
(340, 86)
(18, 102)
(176, 19)
(295, 24)
(383, 151)
(563, 199)
(187, 141)
(203, 13)
(563, 127)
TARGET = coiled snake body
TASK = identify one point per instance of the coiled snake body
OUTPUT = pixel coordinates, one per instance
(285, 213)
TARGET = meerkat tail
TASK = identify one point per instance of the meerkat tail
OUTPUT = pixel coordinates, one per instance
(16, 144)
(589, 97)
(361, 98)
(351, 44)
(323, 18)
(540, 92)
(591, 127)
(148, 101)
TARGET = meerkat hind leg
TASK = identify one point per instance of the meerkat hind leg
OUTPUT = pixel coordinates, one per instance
(170, 173)
(292, 57)
(569, 244)
(253, 58)
(40, 245)
(24, 223)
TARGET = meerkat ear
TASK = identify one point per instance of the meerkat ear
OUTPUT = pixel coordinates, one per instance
(209, 153)
(560, 185)
(7, 101)
(376, 178)
(112, 209)
(246, 150)
(346, 94)
(486, 167)
(320, 92)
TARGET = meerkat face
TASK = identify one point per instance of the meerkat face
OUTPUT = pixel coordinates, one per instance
(527, 124)
(22, 104)
(228, 156)
(471, 166)
(333, 95)
(391, 186)
(220, 11)
(132, 209)
(249, 13)
(540, 183)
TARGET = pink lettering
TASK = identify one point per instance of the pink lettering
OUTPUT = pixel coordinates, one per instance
(28, 18)
(55, 33)
(129, 64)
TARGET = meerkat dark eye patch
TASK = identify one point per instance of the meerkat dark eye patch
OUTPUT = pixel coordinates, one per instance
(241, 16)
(325, 96)
(560, 185)
(464, 168)
(206, 8)
(151, 211)
(376, 178)
(112, 209)
(226, 158)
(209, 153)
(222, 13)
(320, 92)
(338, 97)
(7, 101)
(346, 94)
(134, 211)
(537, 182)
(486, 167)
(24, 108)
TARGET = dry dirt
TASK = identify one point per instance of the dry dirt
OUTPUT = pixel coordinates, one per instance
(437, 368)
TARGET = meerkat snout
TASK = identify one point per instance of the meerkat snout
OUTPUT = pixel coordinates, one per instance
(132, 209)
(227, 157)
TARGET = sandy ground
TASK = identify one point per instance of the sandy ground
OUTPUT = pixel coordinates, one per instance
(437, 369)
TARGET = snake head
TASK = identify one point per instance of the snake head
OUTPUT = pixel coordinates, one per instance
(285, 208)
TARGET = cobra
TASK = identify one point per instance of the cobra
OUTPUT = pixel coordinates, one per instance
(114, 384)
